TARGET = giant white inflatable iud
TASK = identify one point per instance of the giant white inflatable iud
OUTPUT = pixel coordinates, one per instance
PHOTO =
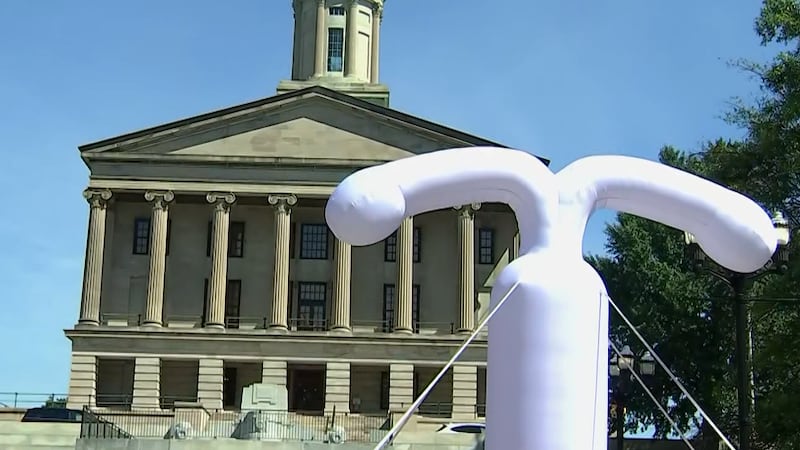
(547, 359)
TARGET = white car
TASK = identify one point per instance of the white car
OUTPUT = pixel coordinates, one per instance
(471, 428)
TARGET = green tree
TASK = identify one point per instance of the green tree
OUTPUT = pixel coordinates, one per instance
(688, 316)
(647, 276)
(55, 402)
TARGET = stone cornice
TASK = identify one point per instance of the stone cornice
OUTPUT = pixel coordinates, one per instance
(240, 344)
(184, 187)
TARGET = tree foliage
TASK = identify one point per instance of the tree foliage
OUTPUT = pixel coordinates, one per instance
(690, 317)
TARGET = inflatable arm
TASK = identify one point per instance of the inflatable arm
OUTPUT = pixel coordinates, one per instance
(370, 204)
(730, 228)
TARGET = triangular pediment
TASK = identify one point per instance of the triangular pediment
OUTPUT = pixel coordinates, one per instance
(301, 138)
(306, 125)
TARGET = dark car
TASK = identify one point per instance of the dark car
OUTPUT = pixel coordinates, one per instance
(62, 415)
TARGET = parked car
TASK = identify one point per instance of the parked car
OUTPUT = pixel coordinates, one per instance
(44, 414)
(471, 428)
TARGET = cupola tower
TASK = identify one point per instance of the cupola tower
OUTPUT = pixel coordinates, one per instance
(337, 45)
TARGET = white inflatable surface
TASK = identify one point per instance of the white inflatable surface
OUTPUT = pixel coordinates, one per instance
(547, 360)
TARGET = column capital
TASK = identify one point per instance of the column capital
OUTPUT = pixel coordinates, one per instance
(377, 10)
(282, 201)
(222, 200)
(97, 198)
(467, 210)
(159, 199)
(350, 3)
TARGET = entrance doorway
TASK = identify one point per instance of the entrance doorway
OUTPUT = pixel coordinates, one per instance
(306, 389)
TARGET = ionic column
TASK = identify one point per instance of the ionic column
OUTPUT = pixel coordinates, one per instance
(219, 259)
(95, 248)
(352, 39)
(280, 285)
(405, 267)
(154, 307)
(340, 315)
(466, 236)
(375, 41)
(514, 253)
(319, 44)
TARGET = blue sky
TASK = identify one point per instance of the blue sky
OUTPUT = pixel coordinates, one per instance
(562, 79)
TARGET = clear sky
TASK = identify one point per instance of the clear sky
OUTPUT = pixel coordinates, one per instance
(561, 78)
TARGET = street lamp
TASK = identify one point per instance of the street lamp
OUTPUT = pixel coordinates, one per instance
(620, 368)
(740, 284)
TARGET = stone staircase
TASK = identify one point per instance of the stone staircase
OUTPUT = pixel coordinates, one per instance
(38, 436)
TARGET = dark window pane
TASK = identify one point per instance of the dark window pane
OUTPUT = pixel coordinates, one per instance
(388, 307)
(141, 236)
(233, 296)
(208, 238)
(236, 240)
(311, 305)
(417, 244)
(390, 248)
(486, 246)
(314, 241)
(335, 49)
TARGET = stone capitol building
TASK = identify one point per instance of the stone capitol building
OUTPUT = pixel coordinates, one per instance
(209, 265)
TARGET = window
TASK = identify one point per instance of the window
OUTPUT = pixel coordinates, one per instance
(384, 404)
(205, 304)
(141, 236)
(389, 294)
(314, 241)
(415, 307)
(233, 298)
(390, 247)
(235, 239)
(416, 249)
(485, 246)
(293, 241)
(335, 49)
(229, 385)
(388, 308)
(311, 303)
(336, 11)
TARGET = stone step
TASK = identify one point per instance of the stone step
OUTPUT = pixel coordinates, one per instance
(39, 447)
(9, 427)
(37, 439)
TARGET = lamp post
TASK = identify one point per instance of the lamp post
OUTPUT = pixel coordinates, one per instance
(740, 284)
(620, 369)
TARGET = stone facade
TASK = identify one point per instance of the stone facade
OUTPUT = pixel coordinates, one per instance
(210, 267)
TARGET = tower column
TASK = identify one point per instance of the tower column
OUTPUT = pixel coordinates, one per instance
(159, 221)
(280, 285)
(375, 41)
(466, 234)
(219, 259)
(405, 267)
(351, 40)
(340, 317)
(95, 248)
(319, 41)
